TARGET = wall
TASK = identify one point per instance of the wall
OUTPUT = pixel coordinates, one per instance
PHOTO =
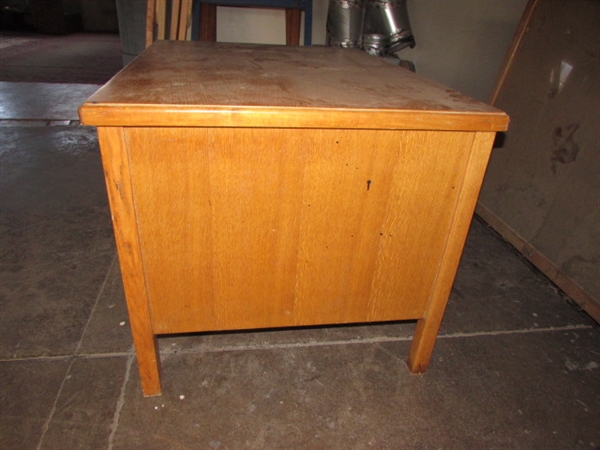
(460, 43)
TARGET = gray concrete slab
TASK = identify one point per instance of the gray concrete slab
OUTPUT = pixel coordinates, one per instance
(108, 330)
(84, 411)
(518, 391)
(43, 101)
(28, 390)
(497, 289)
(56, 235)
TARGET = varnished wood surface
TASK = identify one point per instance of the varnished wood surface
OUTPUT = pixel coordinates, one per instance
(456, 234)
(221, 84)
(257, 228)
(120, 196)
(258, 186)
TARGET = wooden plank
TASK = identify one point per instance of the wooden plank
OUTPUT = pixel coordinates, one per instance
(185, 15)
(116, 171)
(242, 229)
(208, 22)
(292, 26)
(150, 19)
(427, 328)
(268, 117)
(279, 86)
(174, 27)
(161, 19)
(513, 49)
(541, 189)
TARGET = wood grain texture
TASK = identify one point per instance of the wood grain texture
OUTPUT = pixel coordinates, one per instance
(265, 186)
(293, 19)
(244, 85)
(259, 228)
(180, 13)
(208, 22)
(160, 19)
(150, 14)
(185, 20)
(175, 16)
(118, 182)
(428, 326)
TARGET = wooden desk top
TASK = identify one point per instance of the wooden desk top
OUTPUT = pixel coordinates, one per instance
(245, 85)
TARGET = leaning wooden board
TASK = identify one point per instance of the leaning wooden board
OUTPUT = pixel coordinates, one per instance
(257, 186)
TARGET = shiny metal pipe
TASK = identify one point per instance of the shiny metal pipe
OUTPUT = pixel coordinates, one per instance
(344, 22)
(389, 17)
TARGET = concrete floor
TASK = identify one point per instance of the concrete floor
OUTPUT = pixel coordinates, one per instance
(516, 366)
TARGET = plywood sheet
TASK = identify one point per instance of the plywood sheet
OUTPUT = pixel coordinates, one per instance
(543, 184)
(258, 228)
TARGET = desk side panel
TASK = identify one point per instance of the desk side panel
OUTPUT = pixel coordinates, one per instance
(252, 228)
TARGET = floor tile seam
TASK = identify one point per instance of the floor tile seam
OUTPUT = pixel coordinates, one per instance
(114, 425)
(80, 356)
(532, 330)
(98, 296)
(46, 122)
(375, 340)
(46, 426)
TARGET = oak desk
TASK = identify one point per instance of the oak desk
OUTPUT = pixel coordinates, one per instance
(257, 186)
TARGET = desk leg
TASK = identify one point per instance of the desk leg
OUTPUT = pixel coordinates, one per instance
(422, 346)
(120, 195)
(292, 26)
(208, 22)
(428, 327)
